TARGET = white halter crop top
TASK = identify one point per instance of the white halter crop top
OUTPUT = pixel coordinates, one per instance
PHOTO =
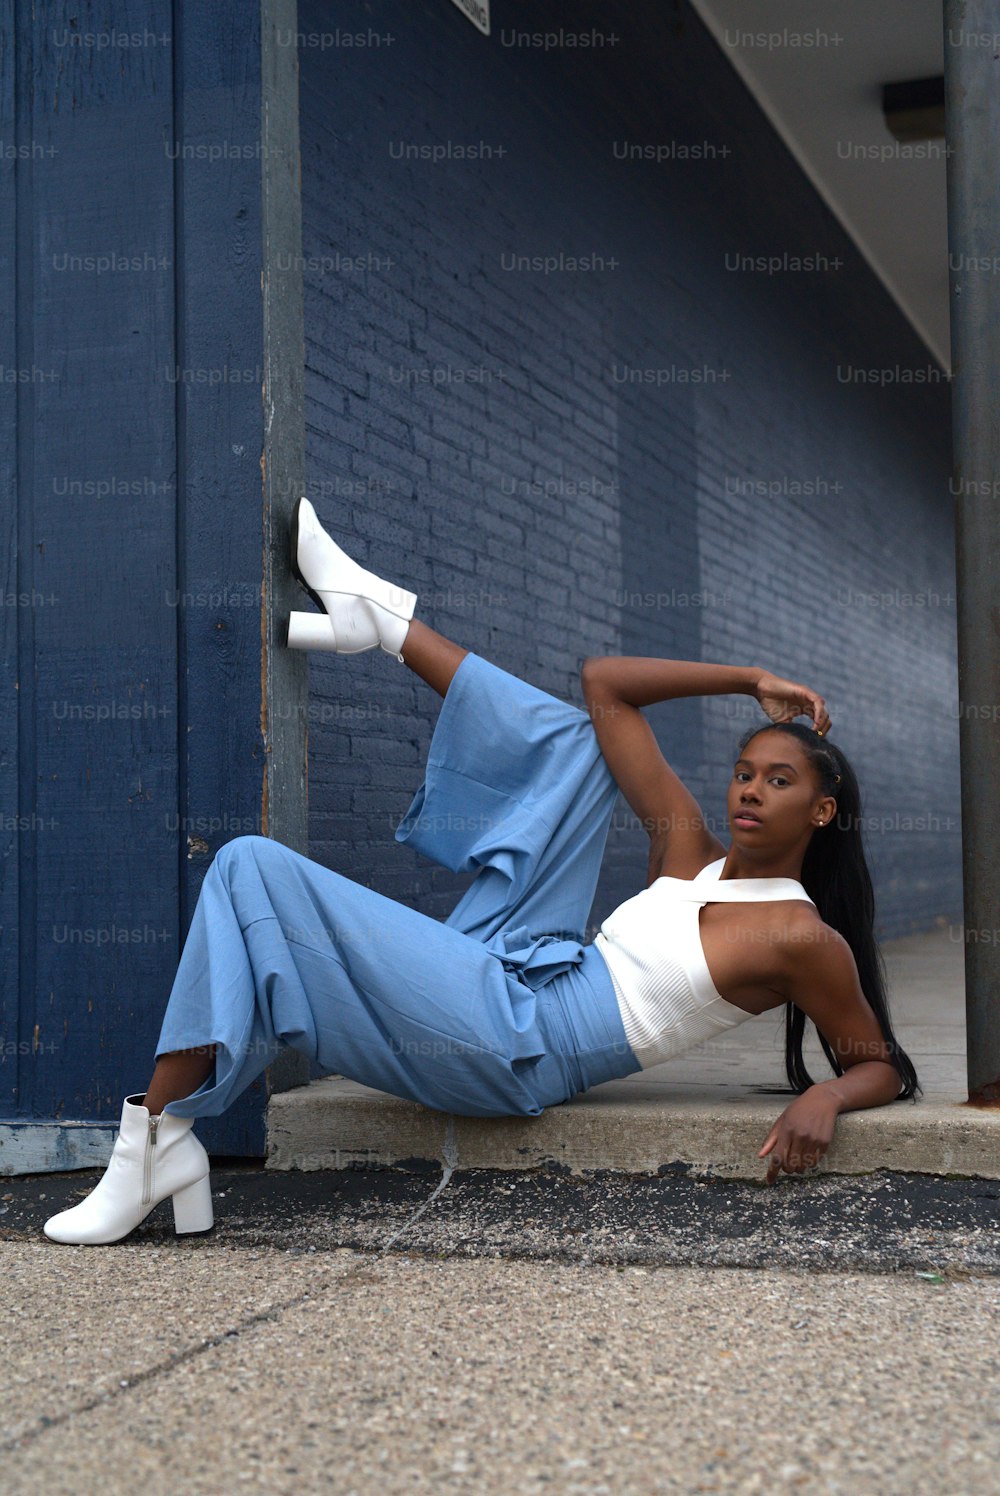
(652, 947)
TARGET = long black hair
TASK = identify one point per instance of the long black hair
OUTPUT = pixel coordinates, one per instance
(835, 875)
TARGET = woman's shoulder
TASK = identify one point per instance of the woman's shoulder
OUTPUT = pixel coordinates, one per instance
(805, 923)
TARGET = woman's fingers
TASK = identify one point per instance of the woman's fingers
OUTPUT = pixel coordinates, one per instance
(790, 1150)
(784, 699)
(775, 1161)
(811, 704)
(820, 715)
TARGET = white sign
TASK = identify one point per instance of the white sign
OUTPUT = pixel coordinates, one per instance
(478, 12)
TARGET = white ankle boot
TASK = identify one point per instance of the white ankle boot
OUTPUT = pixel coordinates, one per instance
(360, 609)
(153, 1157)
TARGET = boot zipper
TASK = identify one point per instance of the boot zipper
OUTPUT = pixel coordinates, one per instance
(149, 1166)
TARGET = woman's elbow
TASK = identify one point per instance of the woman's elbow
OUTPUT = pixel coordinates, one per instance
(593, 673)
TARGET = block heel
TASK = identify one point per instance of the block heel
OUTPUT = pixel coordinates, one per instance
(193, 1208)
(310, 631)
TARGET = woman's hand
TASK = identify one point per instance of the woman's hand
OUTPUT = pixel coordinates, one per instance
(784, 699)
(802, 1134)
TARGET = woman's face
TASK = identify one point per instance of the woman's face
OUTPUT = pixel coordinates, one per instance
(775, 788)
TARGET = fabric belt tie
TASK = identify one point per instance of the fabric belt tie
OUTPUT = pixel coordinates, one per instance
(535, 960)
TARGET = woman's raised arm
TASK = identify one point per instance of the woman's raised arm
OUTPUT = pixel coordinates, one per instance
(614, 688)
(640, 680)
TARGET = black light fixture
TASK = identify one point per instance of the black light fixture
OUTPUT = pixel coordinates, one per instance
(914, 110)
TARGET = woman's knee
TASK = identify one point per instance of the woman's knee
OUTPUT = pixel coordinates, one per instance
(241, 848)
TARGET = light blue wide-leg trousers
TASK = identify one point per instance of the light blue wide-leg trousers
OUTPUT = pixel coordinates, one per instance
(502, 1009)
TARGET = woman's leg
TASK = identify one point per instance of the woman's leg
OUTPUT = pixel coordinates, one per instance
(516, 789)
(283, 951)
(434, 658)
(178, 1074)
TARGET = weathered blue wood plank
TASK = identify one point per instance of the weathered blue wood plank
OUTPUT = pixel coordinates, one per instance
(11, 835)
(217, 163)
(42, 1147)
(133, 734)
(97, 459)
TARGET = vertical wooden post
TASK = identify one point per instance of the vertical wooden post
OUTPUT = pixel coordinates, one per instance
(284, 672)
(972, 111)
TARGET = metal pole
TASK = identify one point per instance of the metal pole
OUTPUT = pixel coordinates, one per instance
(972, 108)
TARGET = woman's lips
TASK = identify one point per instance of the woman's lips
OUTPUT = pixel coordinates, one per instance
(746, 819)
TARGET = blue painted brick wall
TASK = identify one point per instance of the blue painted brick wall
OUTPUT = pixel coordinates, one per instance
(613, 459)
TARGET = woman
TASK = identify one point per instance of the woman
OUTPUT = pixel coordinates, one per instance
(502, 1009)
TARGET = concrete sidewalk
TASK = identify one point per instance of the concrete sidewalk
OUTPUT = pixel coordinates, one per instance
(707, 1112)
(187, 1369)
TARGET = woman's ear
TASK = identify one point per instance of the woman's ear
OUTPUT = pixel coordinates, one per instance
(825, 811)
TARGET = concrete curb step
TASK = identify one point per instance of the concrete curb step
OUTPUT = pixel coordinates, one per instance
(334, 1124)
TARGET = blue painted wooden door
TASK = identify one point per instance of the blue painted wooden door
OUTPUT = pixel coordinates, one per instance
(130, 400)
